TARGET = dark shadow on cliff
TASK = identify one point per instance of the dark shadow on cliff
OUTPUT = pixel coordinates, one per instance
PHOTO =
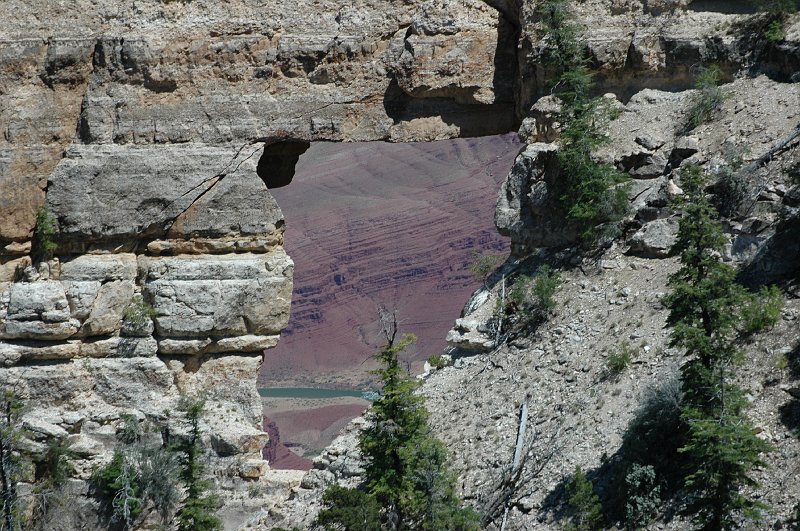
(471, 117)
(506, 64)
(778, 260)
(779, 60)
(277, 163)
(722, 6)
(652, 440)
(790, 411)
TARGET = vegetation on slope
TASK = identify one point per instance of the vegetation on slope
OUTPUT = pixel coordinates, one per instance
(590, 193)
(406, 483)
(720, 446)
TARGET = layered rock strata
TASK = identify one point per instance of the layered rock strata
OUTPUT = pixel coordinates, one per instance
(159, 289)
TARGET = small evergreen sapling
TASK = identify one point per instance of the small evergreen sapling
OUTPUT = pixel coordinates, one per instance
(533, 299)
(44, 234)
(407, 485)
(708, 96)
(584, 504)
(198, 512)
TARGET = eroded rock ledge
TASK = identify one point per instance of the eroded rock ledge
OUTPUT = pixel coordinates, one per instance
(169, 280)
(151, 131)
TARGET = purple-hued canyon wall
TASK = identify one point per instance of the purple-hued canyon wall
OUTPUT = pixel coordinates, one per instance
(377, 224)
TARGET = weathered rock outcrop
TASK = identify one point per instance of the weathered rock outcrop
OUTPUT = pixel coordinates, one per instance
(186, 76)
(145, 306)
(648, 141)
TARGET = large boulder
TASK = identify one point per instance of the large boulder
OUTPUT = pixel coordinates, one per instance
(526, 211)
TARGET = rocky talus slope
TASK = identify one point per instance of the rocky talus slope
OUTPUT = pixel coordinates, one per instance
(151, 131)
(611, 300)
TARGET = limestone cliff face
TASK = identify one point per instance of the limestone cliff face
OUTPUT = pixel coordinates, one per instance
(225, 74)
(150, 132)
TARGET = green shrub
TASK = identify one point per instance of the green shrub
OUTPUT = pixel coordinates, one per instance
(586, 513)
(483, 264)
(54, 468)
(775, 31)
(619, 361)
(708, 96)
(138, 312)
(763, 311)
(651, 439)
(794, 521)
(731, 188)
(11, 462)
(544, 288)
(777, 13)
(51, 472)
(533, 299)
(158, 470)
(781, 362)
(137, 479)
(349, 509)
(437, 361)
(131, 429)
(117, 486)
(643, 495)
(44, 242)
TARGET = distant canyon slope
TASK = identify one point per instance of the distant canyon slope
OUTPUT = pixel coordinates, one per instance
(377, 224)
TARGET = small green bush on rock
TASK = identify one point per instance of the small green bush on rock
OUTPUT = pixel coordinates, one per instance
(763, 311)
(350, 509)
(619, 361)
(586, 513)
(533, 299)
(483, 264)
(138, 312)
(643, 496)
(437, 361)
(708, 96)
(44, 242)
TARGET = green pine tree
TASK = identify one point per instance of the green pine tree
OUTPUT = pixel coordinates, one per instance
(587, 191)
(10, 462)
(349, 509)
(721, 446)
(198, 512)
(584, 504)
(406, 474)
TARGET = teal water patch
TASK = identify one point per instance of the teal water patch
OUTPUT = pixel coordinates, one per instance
(313, 392)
